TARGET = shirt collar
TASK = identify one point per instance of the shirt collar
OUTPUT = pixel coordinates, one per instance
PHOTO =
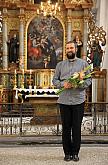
(72, 60)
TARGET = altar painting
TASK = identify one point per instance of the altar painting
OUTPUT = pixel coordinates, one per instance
(44, 43)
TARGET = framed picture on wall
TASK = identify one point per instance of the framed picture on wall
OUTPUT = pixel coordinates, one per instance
(44, 43)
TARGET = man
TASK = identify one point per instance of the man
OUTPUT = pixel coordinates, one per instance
(71, 101)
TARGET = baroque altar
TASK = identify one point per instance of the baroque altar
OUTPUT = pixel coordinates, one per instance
(40, 37)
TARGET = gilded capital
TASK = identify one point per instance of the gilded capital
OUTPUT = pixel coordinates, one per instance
(22, 18)
(86, 18)
(5, 18)
(69, 19)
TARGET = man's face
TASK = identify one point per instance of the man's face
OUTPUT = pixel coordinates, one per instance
(70, 50)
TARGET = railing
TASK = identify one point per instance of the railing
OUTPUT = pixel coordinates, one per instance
(24, 119)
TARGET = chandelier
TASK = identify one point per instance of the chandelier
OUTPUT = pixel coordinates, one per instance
(48, 8)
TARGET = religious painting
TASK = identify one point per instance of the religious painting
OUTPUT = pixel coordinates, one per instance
(44, 43)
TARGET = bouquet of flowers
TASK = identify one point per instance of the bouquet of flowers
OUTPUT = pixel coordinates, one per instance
(77, 79)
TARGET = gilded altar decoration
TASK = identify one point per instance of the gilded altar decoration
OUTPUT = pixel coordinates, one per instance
(75, 1)
(95, 32)
(78, 3)
(96, 39)
(48, 8)
(1, 39)
(15, 80)
(1, 22)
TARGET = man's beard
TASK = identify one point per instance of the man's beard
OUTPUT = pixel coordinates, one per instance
(70, 55)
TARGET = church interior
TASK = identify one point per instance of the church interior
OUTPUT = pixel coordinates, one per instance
(33, 37)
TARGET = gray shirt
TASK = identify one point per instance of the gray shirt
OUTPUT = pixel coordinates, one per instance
(63, 71)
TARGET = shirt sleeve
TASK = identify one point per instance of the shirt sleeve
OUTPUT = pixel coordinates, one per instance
(86, 84)
(56, 78)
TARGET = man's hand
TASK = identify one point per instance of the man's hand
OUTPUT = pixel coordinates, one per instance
(81, 75)
(67, 85)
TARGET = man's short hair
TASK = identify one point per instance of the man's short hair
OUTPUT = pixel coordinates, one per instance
(72, 42)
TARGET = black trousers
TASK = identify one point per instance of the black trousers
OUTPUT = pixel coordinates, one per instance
(71, 117)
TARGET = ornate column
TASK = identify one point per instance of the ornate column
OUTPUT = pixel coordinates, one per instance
(21, 40)
(102, 13)
(69, 26)
(84, 55)
(5, 38)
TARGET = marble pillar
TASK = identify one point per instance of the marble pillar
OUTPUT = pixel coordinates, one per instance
(5, 39)
(69, 26)
(84, 55)
(102, 13)
(21, 42)
(94, 89)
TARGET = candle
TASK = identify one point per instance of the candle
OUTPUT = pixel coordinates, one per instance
(15, 71)
(49, 2)
(41, 3)
(16, 95)
(56, 4)
(37, 11)
(34, 86)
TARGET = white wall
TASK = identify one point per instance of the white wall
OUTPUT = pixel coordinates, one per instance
(102, 20)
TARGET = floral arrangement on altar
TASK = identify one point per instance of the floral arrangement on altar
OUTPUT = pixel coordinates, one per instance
(77, 79)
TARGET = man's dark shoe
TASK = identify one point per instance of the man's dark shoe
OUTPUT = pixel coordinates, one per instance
(75, 158)
(67, 158)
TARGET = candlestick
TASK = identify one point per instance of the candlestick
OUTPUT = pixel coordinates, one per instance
(51, 78)
(30, 89)
(37, 11)
(23, 71)
(35, 80)
(34, 89)
(15, 86)
(30, 76)
(16, 94)
(22, 85)
(30, 71)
